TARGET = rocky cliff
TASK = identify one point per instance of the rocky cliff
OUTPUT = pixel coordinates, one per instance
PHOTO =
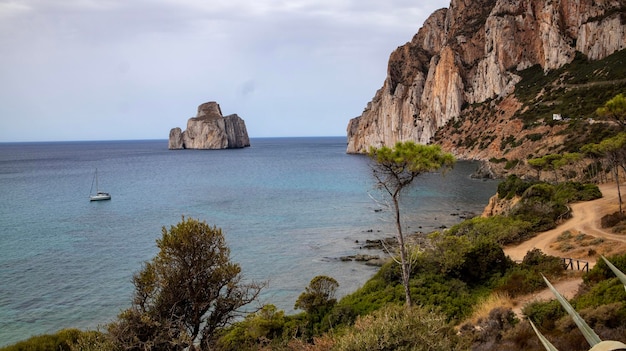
(472, 53)
(210, 130)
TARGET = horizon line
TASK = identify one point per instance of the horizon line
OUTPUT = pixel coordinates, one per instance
(157, 139)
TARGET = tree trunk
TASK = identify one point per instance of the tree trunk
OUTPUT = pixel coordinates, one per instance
(403, 255)
(615, 170)
(619, 193)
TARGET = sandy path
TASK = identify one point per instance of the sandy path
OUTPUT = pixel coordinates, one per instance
(585, 219)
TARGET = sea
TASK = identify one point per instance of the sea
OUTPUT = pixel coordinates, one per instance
(289, 208)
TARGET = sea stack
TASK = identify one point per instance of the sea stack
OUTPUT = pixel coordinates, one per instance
(210, 130)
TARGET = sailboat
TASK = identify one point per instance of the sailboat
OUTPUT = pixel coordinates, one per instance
(100, 195)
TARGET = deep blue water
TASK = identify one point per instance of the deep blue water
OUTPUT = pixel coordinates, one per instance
(289, 207)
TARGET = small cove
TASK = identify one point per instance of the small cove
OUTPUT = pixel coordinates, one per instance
(289, 208)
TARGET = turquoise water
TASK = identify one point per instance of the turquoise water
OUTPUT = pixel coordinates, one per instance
(289, 207)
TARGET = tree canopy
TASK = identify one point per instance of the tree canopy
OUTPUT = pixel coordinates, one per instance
(185, 294)
(614, 152)
(319, 293)
(394, 169)
(614, 109)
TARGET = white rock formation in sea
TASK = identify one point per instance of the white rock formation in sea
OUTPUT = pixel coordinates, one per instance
(210, 130)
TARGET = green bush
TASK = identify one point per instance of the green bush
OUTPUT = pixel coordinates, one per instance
(451, 296)
(606, 320)
(547, 265)
(484, 261)
(538, 207)
(601, 271)
(540, 191)
(255, 330)
(498, 160)
(511, 164)
(60, 341)
(526, 277)
(429, 286)
(544, 314)
(503, 230)
(519, 282)
(399, 328)
(512, 186)
(93, 340)
(569, 192)
(383, 288)
(543, 204)
(605, 292)
(448, 252)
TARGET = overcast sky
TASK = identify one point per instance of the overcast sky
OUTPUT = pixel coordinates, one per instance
(133, 69)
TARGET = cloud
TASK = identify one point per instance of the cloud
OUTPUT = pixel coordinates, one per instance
(247, 88)
(135, 68)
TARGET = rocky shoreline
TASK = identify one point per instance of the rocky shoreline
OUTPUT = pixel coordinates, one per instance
(389, 243)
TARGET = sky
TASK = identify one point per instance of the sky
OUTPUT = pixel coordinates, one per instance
(134, 69)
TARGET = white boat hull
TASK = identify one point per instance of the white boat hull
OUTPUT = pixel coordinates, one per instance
(100, 197)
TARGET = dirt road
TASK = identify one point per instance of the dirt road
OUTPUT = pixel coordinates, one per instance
(585, 219)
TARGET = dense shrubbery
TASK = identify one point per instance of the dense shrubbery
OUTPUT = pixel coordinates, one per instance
(399, 328)
(61, 341)
(499, 229)
(483, 261)
(601, 302)
(513, 186)
(541, 205)
(566, 192)
(526, 277)
(257, 329)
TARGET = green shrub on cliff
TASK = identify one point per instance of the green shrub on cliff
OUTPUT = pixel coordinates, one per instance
(541, 205)
(513, 186)
(257, 329)
(544, 205)
(499, 229)
(526, 277)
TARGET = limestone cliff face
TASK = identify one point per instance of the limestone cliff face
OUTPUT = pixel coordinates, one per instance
(210, 130)
(471, 52)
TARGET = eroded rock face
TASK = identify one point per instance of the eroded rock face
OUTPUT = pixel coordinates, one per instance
(210, 130)
(471, 52)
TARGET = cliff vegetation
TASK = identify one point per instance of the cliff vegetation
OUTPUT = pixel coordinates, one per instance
(501, 80)
(549, 113)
